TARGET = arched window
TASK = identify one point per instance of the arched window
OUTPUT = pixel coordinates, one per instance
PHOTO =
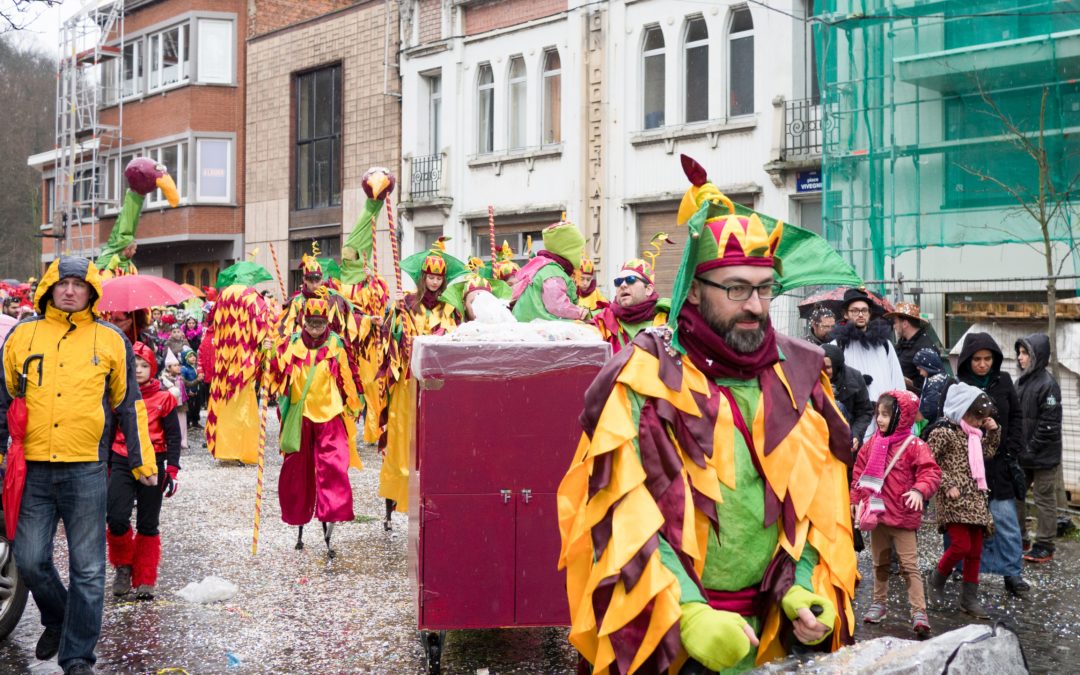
(741, 63)
(516, 93)
(696, 77)
(552, 92)
(653, 77)
(485, 109)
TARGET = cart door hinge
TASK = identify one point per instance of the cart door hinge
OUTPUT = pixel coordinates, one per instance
(527, 494)
(505, 496)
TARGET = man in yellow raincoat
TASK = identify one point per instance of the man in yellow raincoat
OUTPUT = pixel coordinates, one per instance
(705, 515)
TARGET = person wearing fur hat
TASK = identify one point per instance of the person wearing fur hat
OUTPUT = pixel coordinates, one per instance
(635, 306)
(544, 288)
(85, 385)
(961, 449)
(704, 515)
(136, 555)
(589, 295)
(318, 399)
(911, 336)
(866, 345)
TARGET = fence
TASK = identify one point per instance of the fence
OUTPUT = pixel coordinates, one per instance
(1007, 309)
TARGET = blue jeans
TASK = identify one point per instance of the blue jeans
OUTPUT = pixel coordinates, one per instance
(74, 492)
(1003, 553)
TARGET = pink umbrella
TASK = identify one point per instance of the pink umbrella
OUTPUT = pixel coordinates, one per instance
(138, 291)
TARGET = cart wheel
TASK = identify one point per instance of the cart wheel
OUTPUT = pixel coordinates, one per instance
(433, 646)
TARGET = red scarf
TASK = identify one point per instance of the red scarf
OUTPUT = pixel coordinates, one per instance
(641, 312)
(714, 357)
(314, 343)
(584, 292)
(565, 264)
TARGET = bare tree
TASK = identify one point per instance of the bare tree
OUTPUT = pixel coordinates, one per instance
(28, 92)
(18, 13)
(1048, 204)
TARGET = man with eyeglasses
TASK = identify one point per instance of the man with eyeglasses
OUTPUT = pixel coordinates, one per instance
(704, 512)
(867, 349)
(635, 306)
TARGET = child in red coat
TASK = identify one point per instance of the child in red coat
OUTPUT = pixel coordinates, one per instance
(895, 475)
(136, 557)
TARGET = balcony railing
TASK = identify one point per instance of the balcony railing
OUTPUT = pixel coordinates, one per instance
(426, 177)
(806, 125)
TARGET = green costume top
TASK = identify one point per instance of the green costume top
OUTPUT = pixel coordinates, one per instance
(530, 304)
(356, 252)
(122, 235)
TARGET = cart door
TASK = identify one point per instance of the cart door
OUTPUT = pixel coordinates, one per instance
(468, 571)
(541, 587)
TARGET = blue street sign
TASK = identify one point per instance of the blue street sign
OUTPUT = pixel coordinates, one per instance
(808, 181)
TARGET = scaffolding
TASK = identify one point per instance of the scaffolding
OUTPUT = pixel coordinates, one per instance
(934, 109)
(86, 79)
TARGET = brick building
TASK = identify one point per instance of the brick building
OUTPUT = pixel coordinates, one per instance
(316, 121)
(171, 78)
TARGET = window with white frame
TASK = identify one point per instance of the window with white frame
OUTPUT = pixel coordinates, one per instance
(653, 78)
(517, 107)
(168, 57)
(434, 89)
(213, 170)
(741, 63)
(117, 184)
(215, 55)
(130, 69)
(552, 93)
(696, 74)
(173, 156)
(485, 109)
(50, 200)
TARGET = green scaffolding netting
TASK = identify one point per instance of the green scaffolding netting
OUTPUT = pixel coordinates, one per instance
(932, 113)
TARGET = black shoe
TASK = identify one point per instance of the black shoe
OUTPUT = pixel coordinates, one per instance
(1039, 554)
(79, 668)
(1017, 585)
(48, 644)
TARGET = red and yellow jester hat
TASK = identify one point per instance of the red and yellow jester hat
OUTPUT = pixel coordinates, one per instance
(309, 264)
(640, 267)
(587, 266)
(505, 267)
(475, 282)
(316, 308)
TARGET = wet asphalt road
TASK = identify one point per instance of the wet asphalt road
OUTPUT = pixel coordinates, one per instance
(299, 612)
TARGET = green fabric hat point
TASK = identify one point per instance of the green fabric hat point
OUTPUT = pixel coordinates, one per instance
(243, 273)
(413, 264)
(565, 240)
(330, 268)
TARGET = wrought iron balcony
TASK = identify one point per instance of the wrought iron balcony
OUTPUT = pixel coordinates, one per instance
(426, 177)
(806, 125)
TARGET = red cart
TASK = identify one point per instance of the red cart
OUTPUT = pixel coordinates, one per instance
(496, 429)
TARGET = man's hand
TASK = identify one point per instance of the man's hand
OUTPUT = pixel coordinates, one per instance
(914, 500)
(953, 493)
(808, 630)
(854, 445)
(148, 481)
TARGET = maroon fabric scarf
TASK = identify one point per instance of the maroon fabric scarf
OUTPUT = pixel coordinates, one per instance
(314, 343)
(582, 292)
(638, 313)
(565, 264)
(714, 357)
(429, 299)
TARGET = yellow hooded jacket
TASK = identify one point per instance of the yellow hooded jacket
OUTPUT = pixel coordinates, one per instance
(87, 382)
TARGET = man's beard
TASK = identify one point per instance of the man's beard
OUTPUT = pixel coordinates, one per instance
(741, 340)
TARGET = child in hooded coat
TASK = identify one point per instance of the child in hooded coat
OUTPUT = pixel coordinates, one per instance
(136, 556)
(897, 496)
(961, 449)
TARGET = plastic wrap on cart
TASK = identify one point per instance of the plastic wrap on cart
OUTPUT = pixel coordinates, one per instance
(508, 350)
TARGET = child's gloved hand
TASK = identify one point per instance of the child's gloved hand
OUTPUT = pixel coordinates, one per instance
(715, 639)
(798, 604)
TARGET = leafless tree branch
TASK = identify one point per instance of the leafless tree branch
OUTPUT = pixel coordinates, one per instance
(16, 15)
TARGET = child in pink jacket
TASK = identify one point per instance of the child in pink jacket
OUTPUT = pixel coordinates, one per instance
(895, 475)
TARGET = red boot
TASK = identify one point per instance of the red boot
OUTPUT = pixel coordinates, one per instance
(145, 566)
(121, 549)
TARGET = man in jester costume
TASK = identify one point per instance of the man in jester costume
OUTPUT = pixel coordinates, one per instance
(589, 295)
(319, 403)
(544, 288)
(421, 313)
(705, 515)
(636, 305)
(143, 176)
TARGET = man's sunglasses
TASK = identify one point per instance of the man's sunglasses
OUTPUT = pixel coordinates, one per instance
(629, 280)
(742, 292)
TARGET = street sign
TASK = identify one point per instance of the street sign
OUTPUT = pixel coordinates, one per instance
(808, 181)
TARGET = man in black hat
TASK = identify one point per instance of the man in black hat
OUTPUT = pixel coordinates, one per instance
(866, 346)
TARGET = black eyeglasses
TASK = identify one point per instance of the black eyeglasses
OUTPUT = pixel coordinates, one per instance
(742, 292)
(629, 280)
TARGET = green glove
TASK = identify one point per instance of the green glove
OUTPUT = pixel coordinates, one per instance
(713, 638)
(798, 597)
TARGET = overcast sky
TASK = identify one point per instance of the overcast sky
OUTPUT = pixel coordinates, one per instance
(43, 23)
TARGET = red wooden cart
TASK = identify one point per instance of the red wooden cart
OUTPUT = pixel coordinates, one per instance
(496, 429)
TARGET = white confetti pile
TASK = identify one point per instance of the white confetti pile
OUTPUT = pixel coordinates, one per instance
(534, 331)
(210, 589)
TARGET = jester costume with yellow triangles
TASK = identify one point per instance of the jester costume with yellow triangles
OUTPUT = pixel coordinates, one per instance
(421, 313)
(239, 323)
(708, 491)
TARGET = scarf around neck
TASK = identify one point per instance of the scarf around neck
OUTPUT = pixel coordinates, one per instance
(714, 357)
(975, 456)
(639, 313)
(562, 262)
(429, 299)
(587, 291)
(314, 343)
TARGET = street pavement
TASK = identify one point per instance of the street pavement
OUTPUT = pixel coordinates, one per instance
(301, 612)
